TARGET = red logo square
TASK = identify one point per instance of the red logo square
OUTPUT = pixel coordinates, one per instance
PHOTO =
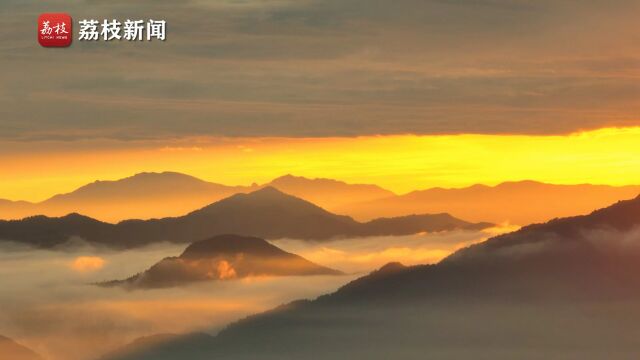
(55, 30)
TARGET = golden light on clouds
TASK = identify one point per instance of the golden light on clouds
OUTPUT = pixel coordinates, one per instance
(226, 270)
(400, 163)
(87, 263)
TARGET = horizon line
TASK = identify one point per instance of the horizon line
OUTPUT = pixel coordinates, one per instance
(258, 185)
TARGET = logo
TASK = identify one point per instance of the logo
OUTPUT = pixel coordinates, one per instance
(55, 30)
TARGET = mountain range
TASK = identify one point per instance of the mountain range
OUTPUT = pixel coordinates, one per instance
(157, 195)
(223, 257)
(565, 289)
(521, 203)
(145, 195)
(266, 213)
(170, 194)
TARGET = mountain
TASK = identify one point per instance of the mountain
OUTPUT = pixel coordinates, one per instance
(157, 195)
(145, 195)
(414, 224)
(565, 289)
(9, 349)
(46, 232)
(328, 193)
(170, 194)
(266, 213)
(589, 256)
(520, 203)
(223, 257)
(16, 209)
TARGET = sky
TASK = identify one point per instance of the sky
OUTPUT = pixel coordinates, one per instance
(323, 76)
(400, 163)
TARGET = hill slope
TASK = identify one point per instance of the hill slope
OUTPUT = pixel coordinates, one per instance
(567, 289)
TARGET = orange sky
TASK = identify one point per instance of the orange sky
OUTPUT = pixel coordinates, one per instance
(399, 163)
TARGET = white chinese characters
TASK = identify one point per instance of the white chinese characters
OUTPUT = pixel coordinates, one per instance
(156, 29)
(59, 29)
(88, 30)
(129, 30)
(110, 30)
(133, 30)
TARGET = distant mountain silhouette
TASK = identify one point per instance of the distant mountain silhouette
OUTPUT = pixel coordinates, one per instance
(145, 195)
(170, 194)
(16, 209)
(327, 193)
(11, 350)
(413, 224)
(156, 195)
(566, 289)
(266, 213)
(223, 257)
(520, 203)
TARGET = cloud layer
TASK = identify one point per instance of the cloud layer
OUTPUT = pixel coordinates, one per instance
(52, 308)
(320, 68)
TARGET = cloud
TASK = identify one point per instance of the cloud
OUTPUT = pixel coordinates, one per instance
(225, 271)
(362, 255)
(87, 263)
(59, 314)
(325, 68)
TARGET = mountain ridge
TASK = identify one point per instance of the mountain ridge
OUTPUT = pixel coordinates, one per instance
(151, 195)
(266, 213)
(146, 195)
(498, 204)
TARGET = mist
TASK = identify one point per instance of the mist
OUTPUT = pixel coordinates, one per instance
(361, 255)
(51, 305)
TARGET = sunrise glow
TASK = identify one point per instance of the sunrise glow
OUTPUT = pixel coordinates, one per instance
(400, 163)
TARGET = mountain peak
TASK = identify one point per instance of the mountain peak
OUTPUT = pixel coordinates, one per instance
(223, 257)
(268, 190)
(158, 176)
(267, 193)
(391, 267)
(228, 244)
(293, 181)
(266, 196)
(74, 216)
(165, 174)
(287, 177)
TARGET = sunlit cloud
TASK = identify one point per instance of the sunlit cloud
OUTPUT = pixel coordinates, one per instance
(87, 263)
(501, 228)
